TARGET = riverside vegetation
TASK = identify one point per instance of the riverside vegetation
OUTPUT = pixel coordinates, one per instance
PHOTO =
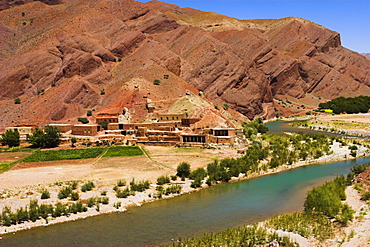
(323, 213)
(264, 152)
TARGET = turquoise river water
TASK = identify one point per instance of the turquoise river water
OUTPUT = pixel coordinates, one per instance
(216, 208)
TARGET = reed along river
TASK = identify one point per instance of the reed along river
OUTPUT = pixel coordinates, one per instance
(213, 209)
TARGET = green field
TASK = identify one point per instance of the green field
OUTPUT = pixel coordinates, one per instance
(67, 154)
(5, 165)
(123, 151)
(88, 153)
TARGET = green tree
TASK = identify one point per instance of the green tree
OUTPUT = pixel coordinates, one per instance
(17, 101)
(36, 139)
(51, 137)
(47, 138)
(73, 140)
(10, 138)
(183, 170)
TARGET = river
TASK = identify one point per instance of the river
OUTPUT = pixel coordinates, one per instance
(216, 208)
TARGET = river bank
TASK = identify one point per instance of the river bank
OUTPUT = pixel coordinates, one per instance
(22, 199)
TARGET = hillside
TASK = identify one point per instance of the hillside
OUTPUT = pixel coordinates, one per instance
(62, 60)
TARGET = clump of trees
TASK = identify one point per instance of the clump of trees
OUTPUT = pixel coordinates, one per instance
(327, 200)
(10, 138)
(348, 105)
(34, 211)
(47, 138)
(251, 129)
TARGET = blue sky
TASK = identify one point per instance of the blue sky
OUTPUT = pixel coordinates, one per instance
(351, 18)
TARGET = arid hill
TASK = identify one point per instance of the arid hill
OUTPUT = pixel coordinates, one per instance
(62, 60)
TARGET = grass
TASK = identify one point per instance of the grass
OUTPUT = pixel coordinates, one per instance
(16, 149)
(123, 151)
(6, 165)
(88, 153)
(67, 154)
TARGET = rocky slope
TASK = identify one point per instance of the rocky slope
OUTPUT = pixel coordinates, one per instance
(62, 60)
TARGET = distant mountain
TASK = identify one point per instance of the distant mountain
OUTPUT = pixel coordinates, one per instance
(367, 55)
(62, 60)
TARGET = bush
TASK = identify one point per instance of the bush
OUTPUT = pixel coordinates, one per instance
(45, 194)
(88, 186)
(365, 196)
(123, 193)
(89, 113)
(83, 120)
(10, 138)
(75, 196)
(17, 101)
(91, 202)
(140, 187)
(183, 170)
(163, 180)
(121, 183)
(200, 172)
(157, 82)
(64, 192)
(117, 205)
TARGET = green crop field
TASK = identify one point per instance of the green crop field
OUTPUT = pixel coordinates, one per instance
(88, 153)
(123, 151)
(5, 165)
(67, 154)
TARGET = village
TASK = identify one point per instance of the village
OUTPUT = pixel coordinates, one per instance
(168, 129)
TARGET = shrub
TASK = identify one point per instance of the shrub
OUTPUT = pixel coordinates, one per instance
(75, 196)
(73, 141)
(45, 194)
(89, 113)
(157, 82)
(121, 183)
(10, 138)
(123, 193)
(163, 180)
(83, 120)
(91, 202)
(87, 186)
(17, 101)
(183, 170)
(140, 186)
(102, 92)
(365, 196)
(196, 183)
(64, 192)
(104, 200)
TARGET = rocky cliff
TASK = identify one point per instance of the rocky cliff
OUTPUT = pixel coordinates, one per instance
(62, 60)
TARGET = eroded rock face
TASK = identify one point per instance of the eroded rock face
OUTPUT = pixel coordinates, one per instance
(85, 55)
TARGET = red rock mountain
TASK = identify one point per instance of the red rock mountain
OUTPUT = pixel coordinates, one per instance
(62, 60)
